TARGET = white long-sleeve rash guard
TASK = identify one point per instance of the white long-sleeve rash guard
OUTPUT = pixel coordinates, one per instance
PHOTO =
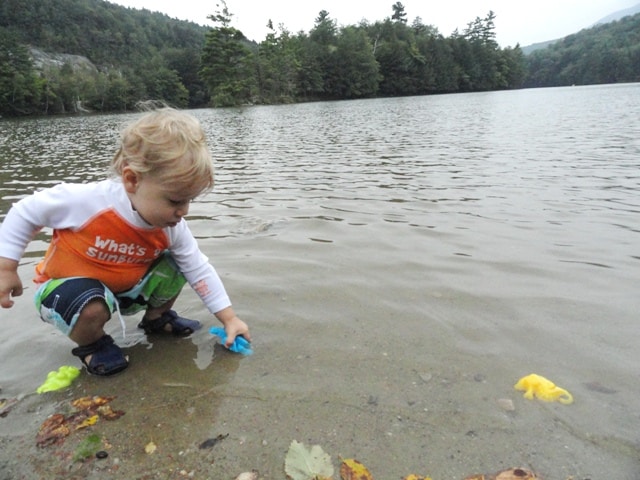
(98, 234)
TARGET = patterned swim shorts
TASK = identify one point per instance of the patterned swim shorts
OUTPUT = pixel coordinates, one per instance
(60, 300)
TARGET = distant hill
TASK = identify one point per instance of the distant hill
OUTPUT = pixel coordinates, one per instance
(619, 14)
(605, 53)
(538, 46)
(609, 18)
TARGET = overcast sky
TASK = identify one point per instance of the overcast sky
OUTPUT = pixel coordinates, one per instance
(516, 21)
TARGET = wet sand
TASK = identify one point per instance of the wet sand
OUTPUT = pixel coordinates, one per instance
(395, 428)
(359, 387)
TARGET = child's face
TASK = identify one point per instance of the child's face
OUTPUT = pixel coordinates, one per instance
(160, 204)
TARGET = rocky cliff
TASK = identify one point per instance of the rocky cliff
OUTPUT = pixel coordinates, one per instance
(43, 60)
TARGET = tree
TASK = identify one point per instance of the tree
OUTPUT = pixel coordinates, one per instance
(320, 58)
(162, 83)
(482, 30)
(512, 66)
(468, 68)
(226, 63)
(356, 66)
(483, 71)
(186, 63)
(401, 62)
(119, 95)
(310, 75)
(606, 53)
(278, 66)
(399, 14)
(446, 70)
(19, 85)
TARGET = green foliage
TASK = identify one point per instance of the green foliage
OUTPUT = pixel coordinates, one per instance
(356, 73)
(482, 30)
(226, 63)
(278, 67)
(321, 55)
(608, 53)
(127, 47)
(19, 86)
(399, 15)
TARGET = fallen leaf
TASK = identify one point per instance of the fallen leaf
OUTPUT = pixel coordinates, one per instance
(150, 448)
(516, 474)
(510, 474)
(87, 448)
(52, 431)
(252, 475)
(88, 410)
(416, 477)
(351, 469)
(106, 412)
(307, 464)
(6, 405)
(90, 403)
(87, 422)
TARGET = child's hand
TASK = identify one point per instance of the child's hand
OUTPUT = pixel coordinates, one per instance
(233, 326)
(240, 344)
(10, 283)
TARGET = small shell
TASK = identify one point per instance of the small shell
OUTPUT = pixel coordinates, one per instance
(252, 475)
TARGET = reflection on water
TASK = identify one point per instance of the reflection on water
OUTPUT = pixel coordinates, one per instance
(494, 232)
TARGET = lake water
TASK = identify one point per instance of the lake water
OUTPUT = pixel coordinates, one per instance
(402, 263)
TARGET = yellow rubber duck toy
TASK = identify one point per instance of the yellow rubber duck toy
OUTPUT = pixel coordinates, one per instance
(543, 389)
(60, 379)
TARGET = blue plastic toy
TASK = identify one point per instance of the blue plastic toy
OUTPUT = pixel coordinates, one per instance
(239, 345)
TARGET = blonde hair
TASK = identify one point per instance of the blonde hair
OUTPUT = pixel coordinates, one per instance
(168, 145)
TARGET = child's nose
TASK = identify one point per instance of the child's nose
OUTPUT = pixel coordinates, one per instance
(182, 210)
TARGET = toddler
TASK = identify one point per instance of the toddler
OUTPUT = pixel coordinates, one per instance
(122, 245)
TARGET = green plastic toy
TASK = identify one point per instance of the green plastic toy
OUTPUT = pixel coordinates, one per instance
(60, 379)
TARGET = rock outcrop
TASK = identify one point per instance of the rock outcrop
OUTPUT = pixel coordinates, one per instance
(43, 60)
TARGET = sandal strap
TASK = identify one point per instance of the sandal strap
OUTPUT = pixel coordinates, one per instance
(84, 350)
(157, 324)
(106, 357)
(179, 326)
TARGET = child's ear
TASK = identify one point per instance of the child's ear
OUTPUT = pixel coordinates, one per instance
(130, 179)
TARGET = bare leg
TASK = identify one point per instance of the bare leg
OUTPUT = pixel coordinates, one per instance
(90, 325)
(153, 313)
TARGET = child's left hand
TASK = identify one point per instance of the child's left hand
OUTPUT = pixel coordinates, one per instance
(239, 345)
(233, 326)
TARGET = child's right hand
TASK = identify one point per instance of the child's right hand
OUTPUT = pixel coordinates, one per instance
(10, 283)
